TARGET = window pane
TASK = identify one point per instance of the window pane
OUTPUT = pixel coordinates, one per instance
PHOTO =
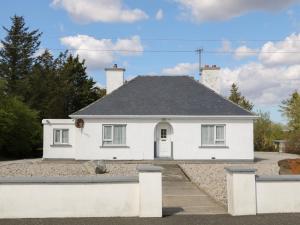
(207, 135)
(119, 134)
(56, 136)
(107, 132)
(220, 134)
(65, 136)
(163, 133)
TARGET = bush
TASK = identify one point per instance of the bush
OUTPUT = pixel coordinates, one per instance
(20, 131)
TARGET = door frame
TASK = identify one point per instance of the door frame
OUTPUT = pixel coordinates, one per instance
(156, 140)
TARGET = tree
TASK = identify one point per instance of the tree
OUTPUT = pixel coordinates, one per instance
(20, 131)
(17, 55)
(80, 88)
(265, 132)
(236, 97)
(290, 108)
(61, 86)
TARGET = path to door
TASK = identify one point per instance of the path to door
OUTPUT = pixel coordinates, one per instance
(181, 196)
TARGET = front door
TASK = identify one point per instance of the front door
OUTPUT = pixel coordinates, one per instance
(163, 141)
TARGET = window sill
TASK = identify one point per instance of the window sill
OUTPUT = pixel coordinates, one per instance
(214, 146)
(114, 146)
(60, 145)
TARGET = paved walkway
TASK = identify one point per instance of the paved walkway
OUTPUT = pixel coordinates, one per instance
(181, 196)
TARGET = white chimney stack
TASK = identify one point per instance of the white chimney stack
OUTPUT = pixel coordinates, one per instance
(210, 77)
(114, 78)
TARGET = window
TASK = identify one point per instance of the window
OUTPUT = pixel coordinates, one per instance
(213, 135)
(61, 136)
(114, 135)
(163, 133)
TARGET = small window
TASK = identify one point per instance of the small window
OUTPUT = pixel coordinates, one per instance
(163, 133)
(114, 134)
(213, 135)
(61, 136)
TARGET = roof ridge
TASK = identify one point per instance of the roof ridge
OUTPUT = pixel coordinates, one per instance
(199, 83)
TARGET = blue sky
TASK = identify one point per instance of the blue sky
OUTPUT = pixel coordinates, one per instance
(255, 43)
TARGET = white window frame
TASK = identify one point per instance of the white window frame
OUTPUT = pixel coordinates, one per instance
(60, 136)
(112, 135)
(215, 135)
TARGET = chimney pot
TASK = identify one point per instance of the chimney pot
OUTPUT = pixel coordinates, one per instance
(115, 65)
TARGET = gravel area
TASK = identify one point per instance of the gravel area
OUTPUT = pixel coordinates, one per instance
(212, 178)
(37, 167)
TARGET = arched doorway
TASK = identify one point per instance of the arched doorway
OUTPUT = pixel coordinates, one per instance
(163, 139)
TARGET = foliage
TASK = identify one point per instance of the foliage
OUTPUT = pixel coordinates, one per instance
(236, 97)
(35, 87)
(265, 132)
(20, 131)
(17, 55)
(290, 108)
(61, 86)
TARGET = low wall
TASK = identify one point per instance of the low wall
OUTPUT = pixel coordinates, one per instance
(249, 194)
(46, 197)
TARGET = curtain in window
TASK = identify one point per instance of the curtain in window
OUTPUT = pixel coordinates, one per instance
(107, 130)
(207, 135)
(65, 136)
(119, 134)
(220, 132)
(56, 136)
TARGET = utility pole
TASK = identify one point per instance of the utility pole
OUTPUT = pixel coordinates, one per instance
(199, 51)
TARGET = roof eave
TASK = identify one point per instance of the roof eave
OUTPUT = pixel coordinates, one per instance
(166, 116)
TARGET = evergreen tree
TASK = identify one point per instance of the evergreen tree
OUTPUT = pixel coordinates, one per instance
(41, 83)
(17, 55)
(236, 97)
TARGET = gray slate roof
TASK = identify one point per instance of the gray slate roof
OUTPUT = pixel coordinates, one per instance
(163, 95)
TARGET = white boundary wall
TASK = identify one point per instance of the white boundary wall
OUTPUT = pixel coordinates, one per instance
(249, 194)
(46, 197)
(86, 142)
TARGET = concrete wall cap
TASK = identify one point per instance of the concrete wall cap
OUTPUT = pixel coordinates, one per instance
(239, 170)
(149, 168)
(88, 179)
(278, 178)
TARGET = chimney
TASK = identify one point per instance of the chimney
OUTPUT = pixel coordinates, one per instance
(114, 78)
(210, 77)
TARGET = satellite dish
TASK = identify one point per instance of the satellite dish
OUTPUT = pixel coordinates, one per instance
(79, 123)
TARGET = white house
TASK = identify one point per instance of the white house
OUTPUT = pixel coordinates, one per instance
(153, 117)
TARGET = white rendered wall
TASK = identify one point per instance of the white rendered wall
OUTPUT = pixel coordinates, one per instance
(278, 196)
(140, 136)
(68, 200)
(211, 79)
(58, 151)
(114, 79)
(46, 197)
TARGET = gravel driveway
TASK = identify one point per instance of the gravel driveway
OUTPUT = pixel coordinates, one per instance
(212, 178)
(38, 167)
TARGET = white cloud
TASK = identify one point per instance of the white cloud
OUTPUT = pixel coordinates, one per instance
(159, 14)
(279, 53)
(1, 45)
(181, 69)
(244, 52)
(85, 11)
(100, 53)
(214, 10)
(262, 84)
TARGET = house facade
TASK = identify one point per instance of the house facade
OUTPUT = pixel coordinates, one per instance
(153, 117)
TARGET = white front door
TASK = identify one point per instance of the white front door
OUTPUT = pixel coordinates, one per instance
(163, 141)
